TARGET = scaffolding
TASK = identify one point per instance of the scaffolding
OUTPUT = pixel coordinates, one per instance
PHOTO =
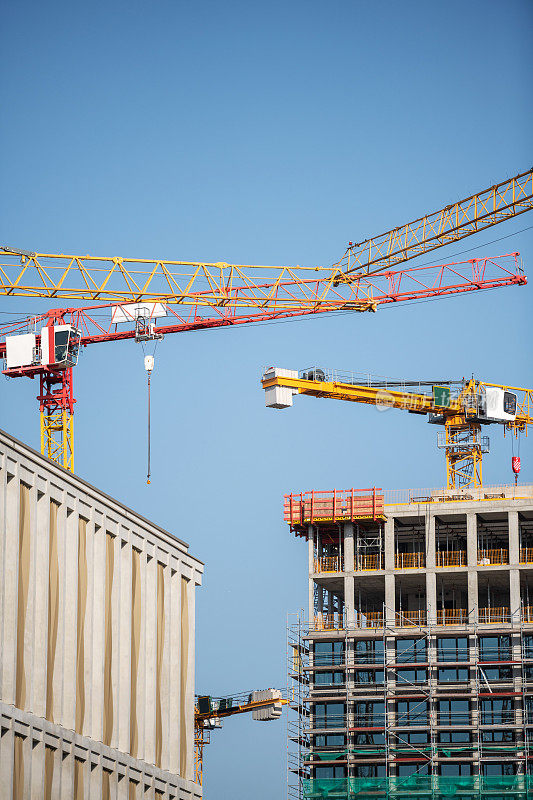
(424, 697)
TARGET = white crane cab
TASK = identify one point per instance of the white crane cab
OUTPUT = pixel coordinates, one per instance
(496, 405)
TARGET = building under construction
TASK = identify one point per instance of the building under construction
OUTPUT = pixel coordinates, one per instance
(413, 674)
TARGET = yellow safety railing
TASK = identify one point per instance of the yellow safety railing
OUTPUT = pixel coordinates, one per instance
(369, 619)
(328, 622)
(526, 555)
(409, 560)
(527, 613)
(455, 558)
(494, 615)
(452, 616)
(406, 618)
(370, 561)
(499, 555)
(327, 564)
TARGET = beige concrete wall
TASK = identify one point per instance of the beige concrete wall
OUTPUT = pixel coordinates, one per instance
(96, 641)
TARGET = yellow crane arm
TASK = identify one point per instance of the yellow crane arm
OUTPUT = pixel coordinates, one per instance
(218, 284)
(371, 395)
(475, 213)
(242, 708)
(417, 402)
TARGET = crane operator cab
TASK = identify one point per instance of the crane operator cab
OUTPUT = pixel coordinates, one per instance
(60, 346)
(496, 405)
(57, 347)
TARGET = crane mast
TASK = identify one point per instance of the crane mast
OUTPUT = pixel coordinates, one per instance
(461, 407)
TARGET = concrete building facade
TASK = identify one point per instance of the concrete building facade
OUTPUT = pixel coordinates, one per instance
(97, 622)
(412, 675)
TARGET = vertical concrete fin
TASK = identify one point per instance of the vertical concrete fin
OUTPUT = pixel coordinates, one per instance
(53, 614)
(80, 626)
(22, 600)
(135, 642)
(108, 640)
(184, 676)
(159, 662)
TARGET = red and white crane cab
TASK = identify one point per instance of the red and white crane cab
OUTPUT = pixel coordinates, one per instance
(56, 348)
(60, 346)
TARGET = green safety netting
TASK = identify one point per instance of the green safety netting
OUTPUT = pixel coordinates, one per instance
(519, 787)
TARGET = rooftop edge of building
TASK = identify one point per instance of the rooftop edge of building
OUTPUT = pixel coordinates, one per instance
(69, 477)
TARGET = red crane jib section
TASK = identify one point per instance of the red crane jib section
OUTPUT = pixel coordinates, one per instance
(410, 284)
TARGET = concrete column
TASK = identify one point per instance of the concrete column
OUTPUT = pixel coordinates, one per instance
(37, 768)
(8, 588)
(94, 789)
(122, 789)
(390, 599)
(514, 595)
(66, 768)
(430, 542)
(389, 544)
(143, 663)
(40, 612)
(514, 540)
(88, 629)
(349, 582)
(472, 596)
(431, 597)
(59, 663)
(96, 711)
(173, 694)
(190, 683)
(471, 560)
(7, 753)
(311, 568)
(167, 677)
(471, 539)
(149, 646)
(68, 602)
(121, 604)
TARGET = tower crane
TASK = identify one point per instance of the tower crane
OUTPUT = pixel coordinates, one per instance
(263, 704)
(463, 408)
(135, 293)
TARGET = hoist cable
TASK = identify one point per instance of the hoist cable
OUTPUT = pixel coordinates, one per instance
(148, 470)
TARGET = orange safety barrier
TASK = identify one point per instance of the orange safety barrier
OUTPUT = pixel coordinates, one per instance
(328, 622)
(455, 558)
(406, 618)
(370, 561)
(327, 564)
(332, 505)
(452, 616)
(496, 556)
(409, 560)
(369, 619)
(527, 613)
(493, 615)
(526, 555)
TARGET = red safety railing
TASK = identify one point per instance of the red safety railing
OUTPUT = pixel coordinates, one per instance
(331, 505)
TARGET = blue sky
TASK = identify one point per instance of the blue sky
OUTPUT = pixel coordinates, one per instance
(262, 133)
